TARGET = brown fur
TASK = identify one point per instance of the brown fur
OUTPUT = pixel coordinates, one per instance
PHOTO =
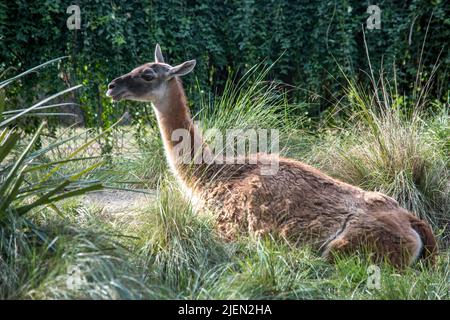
(299, 202)
(430, 247)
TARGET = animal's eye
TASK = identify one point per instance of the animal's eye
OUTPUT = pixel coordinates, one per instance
(148, 75)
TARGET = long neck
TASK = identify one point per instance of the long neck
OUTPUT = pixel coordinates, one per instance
(176, 125)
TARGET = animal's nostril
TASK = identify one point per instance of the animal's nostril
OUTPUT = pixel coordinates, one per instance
(111, 85)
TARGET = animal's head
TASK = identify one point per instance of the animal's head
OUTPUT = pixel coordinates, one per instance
(148, 82)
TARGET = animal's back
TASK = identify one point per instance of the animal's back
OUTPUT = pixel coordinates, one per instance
(297, 201)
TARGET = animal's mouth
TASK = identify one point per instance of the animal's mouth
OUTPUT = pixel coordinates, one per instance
(116, 96)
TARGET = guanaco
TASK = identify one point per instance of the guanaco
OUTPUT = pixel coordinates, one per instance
(298, 202)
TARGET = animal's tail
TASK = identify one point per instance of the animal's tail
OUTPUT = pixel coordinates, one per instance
(430, 247)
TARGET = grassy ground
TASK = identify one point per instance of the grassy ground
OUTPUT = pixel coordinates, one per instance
(122, 245)
(162, 249)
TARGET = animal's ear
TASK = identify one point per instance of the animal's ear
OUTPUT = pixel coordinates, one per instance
(182, 69)
(158, 54)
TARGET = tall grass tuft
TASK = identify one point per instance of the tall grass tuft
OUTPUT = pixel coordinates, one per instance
(179, 247)
(249, 103)
(392, 146)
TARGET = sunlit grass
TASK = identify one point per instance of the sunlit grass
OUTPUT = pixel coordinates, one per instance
(170, 252)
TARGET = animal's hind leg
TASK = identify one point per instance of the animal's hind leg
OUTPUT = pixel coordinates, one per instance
(362, 245)
(383, 235)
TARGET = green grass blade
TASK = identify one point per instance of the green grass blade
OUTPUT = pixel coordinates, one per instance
(77, 192)
(43, 107)
(45, 199)
(40, 103)
(19, 161)
(4, 83)
(38, 167)
(8, 145)
(12, 195)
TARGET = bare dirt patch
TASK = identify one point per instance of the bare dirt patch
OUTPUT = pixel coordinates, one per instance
(119, 201)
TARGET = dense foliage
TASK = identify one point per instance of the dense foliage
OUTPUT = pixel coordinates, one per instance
(312, 40)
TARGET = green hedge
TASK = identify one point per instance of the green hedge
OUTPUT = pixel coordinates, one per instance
(224, 36)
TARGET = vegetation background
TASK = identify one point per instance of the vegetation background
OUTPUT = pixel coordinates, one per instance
(310, 40)
(369, 107)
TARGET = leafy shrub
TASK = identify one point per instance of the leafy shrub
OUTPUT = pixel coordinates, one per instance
(307, 38)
